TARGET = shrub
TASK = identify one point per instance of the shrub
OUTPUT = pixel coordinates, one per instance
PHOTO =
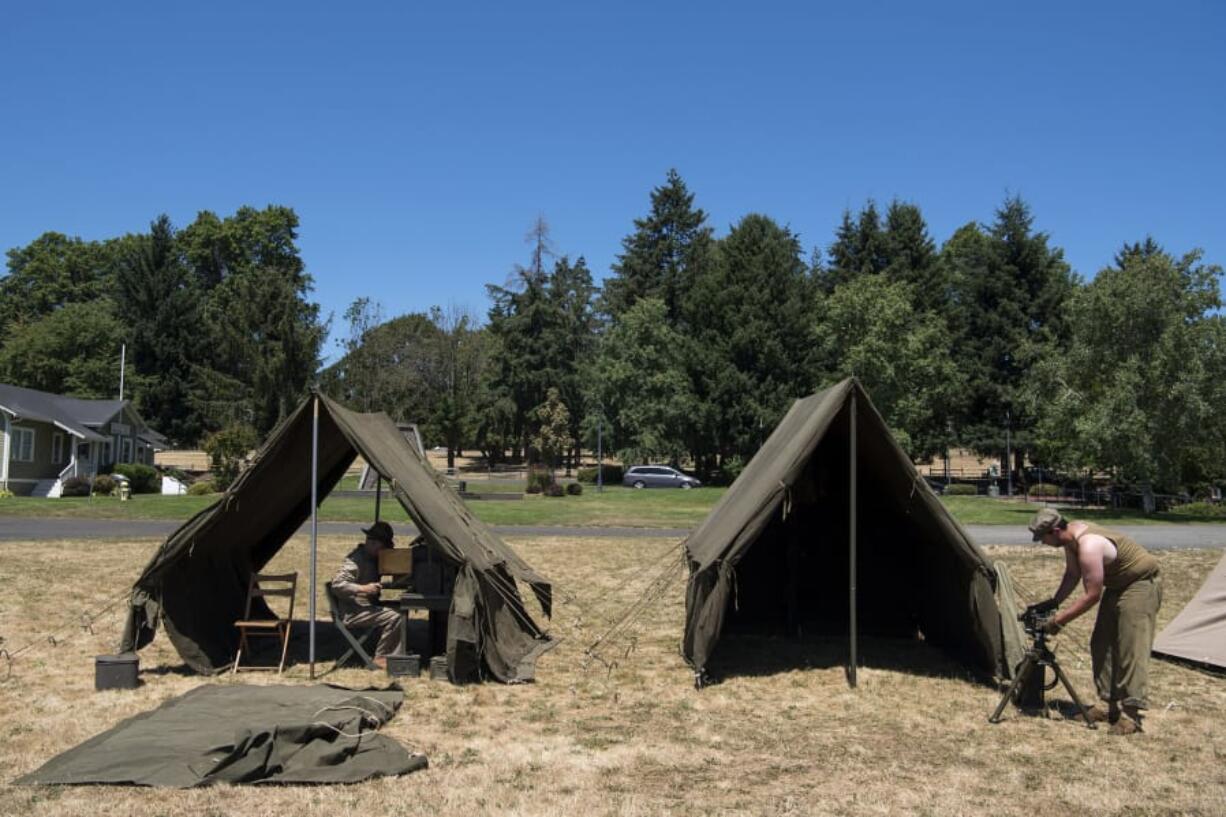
(533, 488)
(730, 469)
(554, 489)
(1210, 509)
(103, 485)
(1043, 489)
(612, 474)
(227, 449)
(204, 486)
(961, 489)
(5, 493)
(75, 486)
(574, 489)
(540, 476)
(143, 478)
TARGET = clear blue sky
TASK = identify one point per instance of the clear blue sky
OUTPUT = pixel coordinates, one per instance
(418, 142)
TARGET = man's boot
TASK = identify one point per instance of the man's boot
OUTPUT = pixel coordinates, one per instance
(1129, 724)
(1102, 713)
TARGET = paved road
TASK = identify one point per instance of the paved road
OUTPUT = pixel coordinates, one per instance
(31, 529)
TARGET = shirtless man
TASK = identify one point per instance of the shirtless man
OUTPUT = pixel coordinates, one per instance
(1122, 578)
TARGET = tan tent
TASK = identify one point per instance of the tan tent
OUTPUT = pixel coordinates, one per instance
(830, 530)
(196, 583)
(1198, 633)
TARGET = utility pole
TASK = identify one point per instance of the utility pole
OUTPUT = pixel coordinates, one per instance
(1008, 454)
(123, 353)
(599, 455)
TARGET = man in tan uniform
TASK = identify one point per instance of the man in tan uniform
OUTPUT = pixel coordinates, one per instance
(357, 589)
(1122, 578)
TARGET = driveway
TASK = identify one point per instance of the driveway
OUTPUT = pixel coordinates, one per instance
(26, 529)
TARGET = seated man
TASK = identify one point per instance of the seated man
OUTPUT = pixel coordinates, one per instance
(357, 588)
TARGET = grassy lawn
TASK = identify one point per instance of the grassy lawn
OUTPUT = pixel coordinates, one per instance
(615, 507)
(632, 736)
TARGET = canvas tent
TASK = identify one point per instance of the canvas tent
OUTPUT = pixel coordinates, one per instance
(1198, 633)
(196, 583)
(783, 550)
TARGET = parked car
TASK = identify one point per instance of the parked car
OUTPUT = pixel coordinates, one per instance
(658, 476)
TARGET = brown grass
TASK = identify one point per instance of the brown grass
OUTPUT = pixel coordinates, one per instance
(639, 739)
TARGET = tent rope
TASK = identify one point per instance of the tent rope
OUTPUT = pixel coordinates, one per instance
(83, 621)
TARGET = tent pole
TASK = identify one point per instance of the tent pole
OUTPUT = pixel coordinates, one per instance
(851, 539)
(378, 494)
(314, 524)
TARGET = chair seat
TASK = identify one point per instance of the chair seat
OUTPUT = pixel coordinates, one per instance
(266, 623)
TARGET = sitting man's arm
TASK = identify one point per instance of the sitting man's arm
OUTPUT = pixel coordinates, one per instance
(345, 582)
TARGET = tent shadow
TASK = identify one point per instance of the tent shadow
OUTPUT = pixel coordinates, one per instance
(329, 646)
(743, 655)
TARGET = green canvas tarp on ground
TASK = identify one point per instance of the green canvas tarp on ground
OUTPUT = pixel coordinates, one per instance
(773, 556)
(243, 734)
(196, 583)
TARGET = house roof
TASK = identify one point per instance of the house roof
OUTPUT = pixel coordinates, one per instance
(72, 414)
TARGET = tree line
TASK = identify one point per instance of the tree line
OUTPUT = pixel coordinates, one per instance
(691, 350)
(214, 316)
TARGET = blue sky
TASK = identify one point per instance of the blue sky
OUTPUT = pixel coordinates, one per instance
(418, 144)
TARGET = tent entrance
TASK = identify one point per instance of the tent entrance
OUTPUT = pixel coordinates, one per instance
(794, 581)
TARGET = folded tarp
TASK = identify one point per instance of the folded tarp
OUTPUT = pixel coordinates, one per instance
(243, 734)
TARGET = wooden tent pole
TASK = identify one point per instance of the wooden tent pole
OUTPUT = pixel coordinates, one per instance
(314, 525)
(378, 494)
(851, 539)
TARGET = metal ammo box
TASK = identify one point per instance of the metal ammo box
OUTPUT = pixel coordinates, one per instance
(401, 666)
(438, 668)
(116, 671)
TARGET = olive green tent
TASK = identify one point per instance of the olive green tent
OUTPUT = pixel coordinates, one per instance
(830, 529)
(196, 583)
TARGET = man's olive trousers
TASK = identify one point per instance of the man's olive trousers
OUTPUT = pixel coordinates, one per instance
(1123, 637)
(389, 622)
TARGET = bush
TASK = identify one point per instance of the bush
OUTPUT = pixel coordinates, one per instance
(533, 488)
(5, 493)
(75, 486)
(730, 469)
(612, 474)
(1043, 489)
(227, 450)
(1211, 509)
(554, 489)
(103, 485)
(540, 476)
(204, 486)
(574, 489)
(144, 479)
(961, 489)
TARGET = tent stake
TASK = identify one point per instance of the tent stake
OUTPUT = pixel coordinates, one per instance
(851, 539)
(314, 524)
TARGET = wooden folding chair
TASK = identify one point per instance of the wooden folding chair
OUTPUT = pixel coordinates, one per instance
(249, 627)
(355, 643)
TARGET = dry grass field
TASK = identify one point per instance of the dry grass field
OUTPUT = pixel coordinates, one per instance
(791, 738)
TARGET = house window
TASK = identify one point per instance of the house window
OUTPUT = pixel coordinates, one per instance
(22, 445)
(57, 448)
(106, 453)
(127, 449)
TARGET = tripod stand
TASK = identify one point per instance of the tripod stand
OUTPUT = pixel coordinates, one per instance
(1037, 657)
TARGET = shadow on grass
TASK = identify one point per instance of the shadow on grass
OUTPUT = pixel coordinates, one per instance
(266, 652)
(762, 655)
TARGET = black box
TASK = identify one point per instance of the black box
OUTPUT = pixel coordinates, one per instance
(116, 671)
(404, 666)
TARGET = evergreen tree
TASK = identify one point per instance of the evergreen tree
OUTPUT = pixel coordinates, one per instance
(663, 257)
(1009, 288)
(159, 305)
(860, 247)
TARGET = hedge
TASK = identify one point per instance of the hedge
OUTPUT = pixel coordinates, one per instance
(574, 489)
(143, 478)
(1043, 489)
(612, 474)
(961, 489)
